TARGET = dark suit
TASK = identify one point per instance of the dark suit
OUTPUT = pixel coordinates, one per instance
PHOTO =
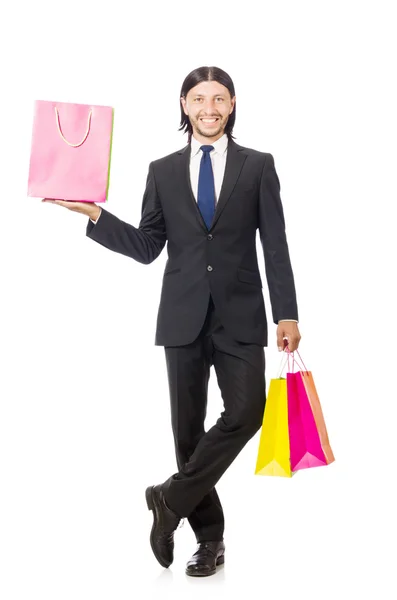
(211, 309)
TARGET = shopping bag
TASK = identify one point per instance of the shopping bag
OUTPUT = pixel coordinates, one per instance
(305, 446)
(70, 151)
(311, 391)
(305, 421)
(274, 452)
(293, 434)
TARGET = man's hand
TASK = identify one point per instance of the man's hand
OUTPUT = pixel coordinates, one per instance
(289, 330)
(90, 209)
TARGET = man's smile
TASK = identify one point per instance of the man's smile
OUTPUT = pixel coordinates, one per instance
(209, 121)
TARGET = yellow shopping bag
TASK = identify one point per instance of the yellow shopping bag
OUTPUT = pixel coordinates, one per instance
(274, 452)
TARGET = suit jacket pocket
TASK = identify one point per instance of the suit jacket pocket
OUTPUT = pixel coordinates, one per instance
(252, 277)
(168, 271)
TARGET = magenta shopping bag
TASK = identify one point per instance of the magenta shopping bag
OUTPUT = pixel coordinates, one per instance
(70, 151)
(305, 445)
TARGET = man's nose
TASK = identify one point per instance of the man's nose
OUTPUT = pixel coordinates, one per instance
(209, 107)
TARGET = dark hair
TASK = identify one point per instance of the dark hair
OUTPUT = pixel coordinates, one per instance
(206, 74)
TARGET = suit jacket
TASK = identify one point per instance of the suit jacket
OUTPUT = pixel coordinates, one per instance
(221, 261)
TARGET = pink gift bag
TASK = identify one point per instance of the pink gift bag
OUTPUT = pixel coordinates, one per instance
(306, 449)
(71, 151)
(314, 400)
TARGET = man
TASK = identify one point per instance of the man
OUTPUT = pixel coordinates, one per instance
(207, 201)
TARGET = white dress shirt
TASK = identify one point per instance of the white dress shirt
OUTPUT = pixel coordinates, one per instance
(218, 160)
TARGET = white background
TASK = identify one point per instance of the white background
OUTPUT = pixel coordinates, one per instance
(84, 422)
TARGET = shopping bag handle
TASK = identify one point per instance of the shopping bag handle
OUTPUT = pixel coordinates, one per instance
(63, 137)
(294, 360)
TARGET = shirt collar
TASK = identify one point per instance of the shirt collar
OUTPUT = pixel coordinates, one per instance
(220, 145)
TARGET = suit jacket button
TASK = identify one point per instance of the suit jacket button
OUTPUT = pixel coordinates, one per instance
(209, 236)
(209, 268)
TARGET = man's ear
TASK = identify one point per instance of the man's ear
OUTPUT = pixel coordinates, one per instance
(183, 102)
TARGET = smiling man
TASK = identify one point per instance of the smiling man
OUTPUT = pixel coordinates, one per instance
(208, 117)
(207, 201)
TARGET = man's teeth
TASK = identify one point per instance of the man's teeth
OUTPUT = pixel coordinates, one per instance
(209, 120)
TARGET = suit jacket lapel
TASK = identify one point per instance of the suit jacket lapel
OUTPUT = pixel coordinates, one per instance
(184, 156)
(234, 162)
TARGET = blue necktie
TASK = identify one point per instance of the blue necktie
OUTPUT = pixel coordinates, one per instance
(206, 187)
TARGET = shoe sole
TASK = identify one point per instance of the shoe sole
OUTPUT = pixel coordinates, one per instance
(152, 506)
(219, 561)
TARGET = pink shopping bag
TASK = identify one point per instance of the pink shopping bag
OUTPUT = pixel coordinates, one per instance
(306, 449)
(70, 151)
(314, 400)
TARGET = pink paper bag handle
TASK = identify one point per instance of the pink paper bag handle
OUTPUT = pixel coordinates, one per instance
(63, 137)
(295, 361)
(288, 352)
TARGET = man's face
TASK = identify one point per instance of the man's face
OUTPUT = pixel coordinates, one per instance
(208, 106)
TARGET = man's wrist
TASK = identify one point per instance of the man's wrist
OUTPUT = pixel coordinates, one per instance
(95, 212)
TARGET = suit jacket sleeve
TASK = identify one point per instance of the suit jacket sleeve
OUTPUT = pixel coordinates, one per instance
(278, 268)
(143, 244)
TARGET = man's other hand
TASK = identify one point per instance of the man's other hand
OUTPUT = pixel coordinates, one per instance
(90, 209)
(289, 330)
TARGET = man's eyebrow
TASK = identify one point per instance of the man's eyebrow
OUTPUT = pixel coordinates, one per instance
(215, 95)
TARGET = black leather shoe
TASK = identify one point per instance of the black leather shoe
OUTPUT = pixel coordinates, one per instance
(206, 558)
(165, 521)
